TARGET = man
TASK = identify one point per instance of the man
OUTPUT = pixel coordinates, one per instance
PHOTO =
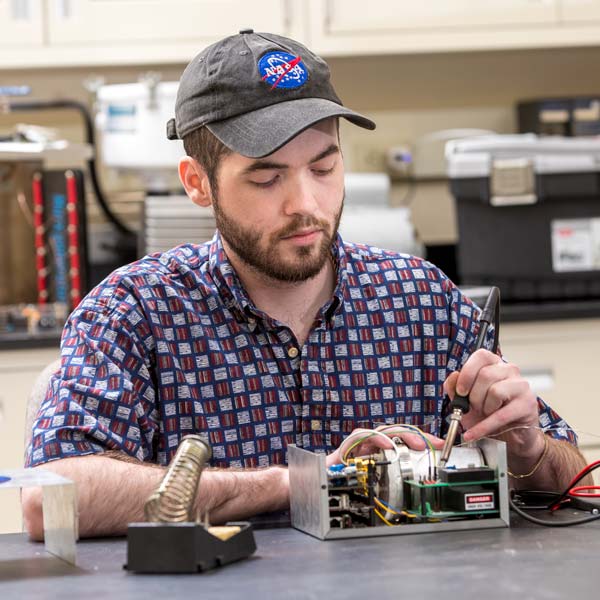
(277, 331)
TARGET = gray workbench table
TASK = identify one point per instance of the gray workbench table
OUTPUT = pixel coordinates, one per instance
(525, 561)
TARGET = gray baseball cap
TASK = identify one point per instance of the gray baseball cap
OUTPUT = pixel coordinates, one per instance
(255, 92)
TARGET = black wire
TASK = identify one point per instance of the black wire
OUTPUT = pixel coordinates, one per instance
(34, 105)
(565, 494)
(547, 523)
(558, 498)
(536, 499)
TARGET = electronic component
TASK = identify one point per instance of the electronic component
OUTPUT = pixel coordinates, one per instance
(398, 491)
(466, 474)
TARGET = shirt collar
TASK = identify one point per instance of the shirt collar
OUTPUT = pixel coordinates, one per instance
(227, 282)
(339, 259)
(237, 300)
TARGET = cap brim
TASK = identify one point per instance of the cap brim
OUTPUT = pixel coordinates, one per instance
(263, 131)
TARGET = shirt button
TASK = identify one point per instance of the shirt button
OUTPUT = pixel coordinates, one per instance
(292, 352)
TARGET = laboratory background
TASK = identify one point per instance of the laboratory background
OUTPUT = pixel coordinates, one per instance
(485, 161)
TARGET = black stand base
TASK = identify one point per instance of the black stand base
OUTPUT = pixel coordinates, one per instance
(183, 547)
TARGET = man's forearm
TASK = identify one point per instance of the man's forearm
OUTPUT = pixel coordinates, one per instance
(111, 493)
(228, 494)
(561, 462)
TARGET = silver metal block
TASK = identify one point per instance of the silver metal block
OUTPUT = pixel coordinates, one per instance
(309, 503)
(59, 507)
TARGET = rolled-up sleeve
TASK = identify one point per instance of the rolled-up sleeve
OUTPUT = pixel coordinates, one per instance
(103, 397)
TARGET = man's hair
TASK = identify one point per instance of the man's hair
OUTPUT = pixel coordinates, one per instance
(204, 147)
(208, 150)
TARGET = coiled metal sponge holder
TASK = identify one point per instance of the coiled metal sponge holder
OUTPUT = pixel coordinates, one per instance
(173, 500)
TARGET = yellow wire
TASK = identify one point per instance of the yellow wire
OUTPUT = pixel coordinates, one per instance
(383, 518)
(387, 508)
(386, 428)
(381, 505)
(413, 428)
(354, 445)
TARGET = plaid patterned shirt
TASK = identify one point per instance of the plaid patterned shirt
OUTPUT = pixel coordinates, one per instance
(172, 345)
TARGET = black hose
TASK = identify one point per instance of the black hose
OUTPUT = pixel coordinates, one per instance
(34, 105)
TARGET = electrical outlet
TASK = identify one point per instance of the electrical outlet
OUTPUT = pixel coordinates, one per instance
(399, 160)
(366, 159)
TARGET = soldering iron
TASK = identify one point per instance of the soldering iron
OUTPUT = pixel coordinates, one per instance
(460, 405)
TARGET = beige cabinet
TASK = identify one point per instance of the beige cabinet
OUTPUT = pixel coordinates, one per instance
(160, 22)
(561, 359)
(349, 16)
(105, 32)
(21, 24)
(54, 33)
(580, 11)
(18, 371)
(344, 27)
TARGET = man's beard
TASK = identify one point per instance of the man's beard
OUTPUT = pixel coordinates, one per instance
(246, 243)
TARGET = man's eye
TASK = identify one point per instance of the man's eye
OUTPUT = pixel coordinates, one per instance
(267, 183)
(323, 172)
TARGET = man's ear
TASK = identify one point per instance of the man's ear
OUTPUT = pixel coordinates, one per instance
(195, 181)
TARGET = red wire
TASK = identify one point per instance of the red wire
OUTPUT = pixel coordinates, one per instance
(576, 491)
(571, 485)
(583, 473)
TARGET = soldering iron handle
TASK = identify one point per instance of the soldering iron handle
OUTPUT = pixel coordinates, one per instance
(461, 402)
(488, 314)
(491, 306)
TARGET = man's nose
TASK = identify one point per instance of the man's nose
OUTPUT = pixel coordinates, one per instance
(301, 198)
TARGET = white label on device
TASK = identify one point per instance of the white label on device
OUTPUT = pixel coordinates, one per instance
(575, 245)
(479, 501)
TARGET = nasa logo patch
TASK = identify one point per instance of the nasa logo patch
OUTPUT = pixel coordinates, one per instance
(282, 70)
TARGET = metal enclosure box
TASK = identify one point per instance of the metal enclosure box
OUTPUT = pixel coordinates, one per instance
(309, 501)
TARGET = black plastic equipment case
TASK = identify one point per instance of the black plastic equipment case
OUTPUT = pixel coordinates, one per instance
(528, 211)
(575, 116)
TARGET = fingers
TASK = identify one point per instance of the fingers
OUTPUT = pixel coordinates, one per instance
(374, 444)
(362, 442)
(437, 442)
(480, 380)
(415, 442)
(334, 458)
(487, 395)
(450, 384)
(470, 371)
(508, 403)
(500, 399)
